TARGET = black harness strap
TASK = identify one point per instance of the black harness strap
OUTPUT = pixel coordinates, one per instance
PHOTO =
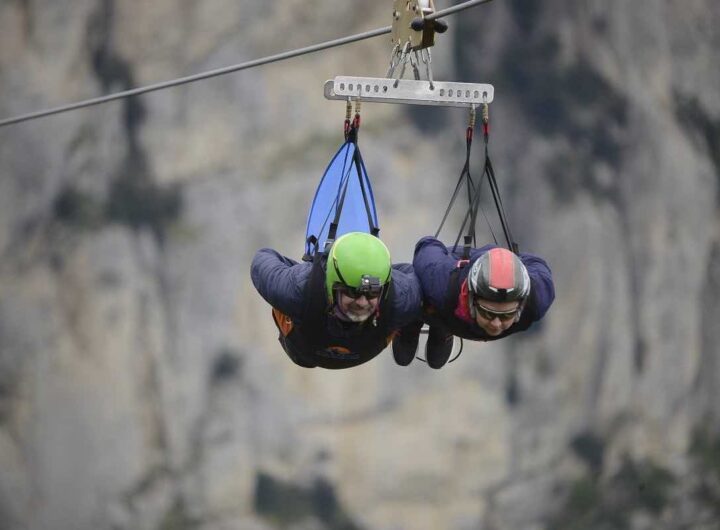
(357, 162)
(475, 194)
(512, 245)
(357, 159)
(464, 174)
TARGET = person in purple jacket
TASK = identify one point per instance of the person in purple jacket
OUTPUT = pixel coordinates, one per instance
(489, 296)
(342, 309)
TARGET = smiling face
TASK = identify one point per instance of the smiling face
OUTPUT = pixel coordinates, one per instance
(357, 309)
(496, 317)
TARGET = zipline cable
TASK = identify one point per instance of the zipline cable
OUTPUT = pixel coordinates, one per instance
(196, 77)
(228, 69)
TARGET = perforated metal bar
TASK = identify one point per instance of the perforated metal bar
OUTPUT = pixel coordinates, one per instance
(409, 91)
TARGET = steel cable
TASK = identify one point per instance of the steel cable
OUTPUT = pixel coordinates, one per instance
(228, 69)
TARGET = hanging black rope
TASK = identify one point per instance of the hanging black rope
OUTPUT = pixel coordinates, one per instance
(475, 194)
(490, 172)
(464, 175)
(471, 214)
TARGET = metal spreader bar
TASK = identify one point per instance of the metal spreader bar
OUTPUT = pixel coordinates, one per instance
(409, 91)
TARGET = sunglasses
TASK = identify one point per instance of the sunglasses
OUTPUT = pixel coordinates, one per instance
(489, 314)
(370, 288)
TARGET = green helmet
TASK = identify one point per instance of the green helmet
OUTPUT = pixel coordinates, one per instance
(358, 260)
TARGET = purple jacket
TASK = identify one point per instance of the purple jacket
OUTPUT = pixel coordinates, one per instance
(434, 262)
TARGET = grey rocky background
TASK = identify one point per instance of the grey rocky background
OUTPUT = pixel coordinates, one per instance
(141, 384)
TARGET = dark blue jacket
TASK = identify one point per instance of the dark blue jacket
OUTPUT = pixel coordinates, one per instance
(283, 283)
(434, 264)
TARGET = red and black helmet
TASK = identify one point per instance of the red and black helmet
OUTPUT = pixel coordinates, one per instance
(498, 276)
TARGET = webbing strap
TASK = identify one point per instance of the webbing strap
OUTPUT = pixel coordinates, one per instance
(474, 196)
(464, 174)
(357, 161)
(512, 245)
(336, 220)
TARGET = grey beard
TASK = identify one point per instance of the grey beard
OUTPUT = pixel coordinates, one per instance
(358, 318)
(350, 317)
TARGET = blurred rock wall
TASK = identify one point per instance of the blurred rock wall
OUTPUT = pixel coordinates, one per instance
(141, 384)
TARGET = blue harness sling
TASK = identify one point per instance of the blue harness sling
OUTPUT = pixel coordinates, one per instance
(344, 200)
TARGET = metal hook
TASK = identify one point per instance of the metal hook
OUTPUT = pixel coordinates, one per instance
(394, 60)
(414, 61)
(427, 59)
(403, 63)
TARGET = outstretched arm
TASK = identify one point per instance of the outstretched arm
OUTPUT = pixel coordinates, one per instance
(280, 281)
(433, 264)
(542, 290)
(408, 295)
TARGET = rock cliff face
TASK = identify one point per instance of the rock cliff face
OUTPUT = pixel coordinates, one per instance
(141, 385)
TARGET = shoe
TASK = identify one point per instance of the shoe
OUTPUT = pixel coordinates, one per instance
(405, 344)
(438, 347)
